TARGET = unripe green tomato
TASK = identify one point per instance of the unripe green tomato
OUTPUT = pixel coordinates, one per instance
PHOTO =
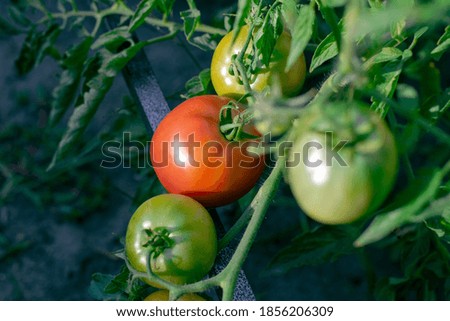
(336, 192)
(229, 85)
(180, 233)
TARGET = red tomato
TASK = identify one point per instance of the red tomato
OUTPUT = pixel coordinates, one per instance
(191, 156)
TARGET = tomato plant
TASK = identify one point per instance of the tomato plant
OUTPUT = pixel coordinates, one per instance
(225, 75)
(191, 156)
(163, 295)
(176, 234)
(389, 57)
(349, 159)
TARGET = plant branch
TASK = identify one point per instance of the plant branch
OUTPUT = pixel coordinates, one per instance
(259, 205)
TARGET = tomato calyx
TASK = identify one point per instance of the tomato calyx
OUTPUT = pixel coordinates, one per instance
(232, 127)
(351, 125)
(158, 241)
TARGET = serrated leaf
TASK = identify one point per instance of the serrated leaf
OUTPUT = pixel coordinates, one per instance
(300, 34)
(113, 39)
(100, 288)
(144, 8)
(119, 283)
(65, 92)
(418, 194)
(242, 13)
(266, 36)
(326, 50)
(36, 46)
(321, 245)
(199, 85)
(94, 92)
(191, 20)
(442, 45)
(117, 287)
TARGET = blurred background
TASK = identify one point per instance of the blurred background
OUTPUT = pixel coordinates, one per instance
(57, 229)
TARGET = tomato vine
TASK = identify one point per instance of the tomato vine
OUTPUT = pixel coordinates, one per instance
(393, 68)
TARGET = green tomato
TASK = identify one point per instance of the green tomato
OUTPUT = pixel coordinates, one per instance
(227, 84)
(177, 233)
(335, 185)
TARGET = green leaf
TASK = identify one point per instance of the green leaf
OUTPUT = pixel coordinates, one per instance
(330, 16)
(319, 246)
(419, 33)
(397, 28)
(289, 12)
(36, 46)
(199, 85)
(117, 287)
(191, 20)
(113, 39)
(266, 36)
(100, 288)
(386, 83)
(95, 89)
(326, 50)
(385, 55)
(418, 194)
(144, 8)
(65, 92)
(439, 225)
(242, 13)
(442, 45)
(301, 34)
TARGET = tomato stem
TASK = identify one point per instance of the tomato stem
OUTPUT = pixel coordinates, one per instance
(232, 128)
(257, 210)
(120, 8)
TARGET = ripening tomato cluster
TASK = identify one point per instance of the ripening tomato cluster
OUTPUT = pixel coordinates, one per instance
(173, 234)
